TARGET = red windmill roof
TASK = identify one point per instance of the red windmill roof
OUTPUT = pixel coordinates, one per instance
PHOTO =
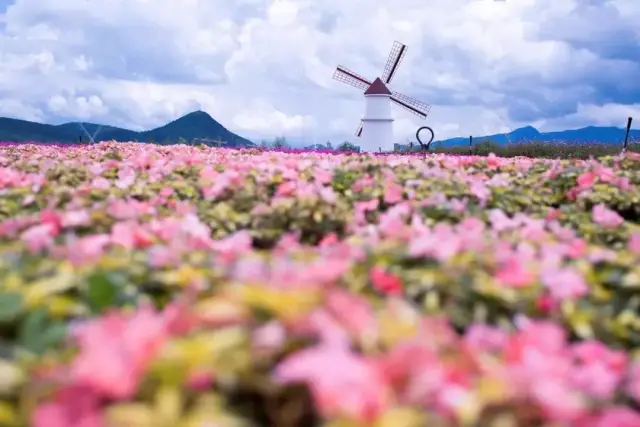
(378, 88)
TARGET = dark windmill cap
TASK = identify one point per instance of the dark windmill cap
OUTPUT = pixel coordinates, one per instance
(377, 88)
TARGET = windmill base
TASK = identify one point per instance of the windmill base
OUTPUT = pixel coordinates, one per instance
(377, 135)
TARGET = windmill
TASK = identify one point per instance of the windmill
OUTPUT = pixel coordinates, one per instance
(376, 127)
(91, 138)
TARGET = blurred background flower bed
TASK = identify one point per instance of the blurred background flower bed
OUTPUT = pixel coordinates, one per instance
(149, 286)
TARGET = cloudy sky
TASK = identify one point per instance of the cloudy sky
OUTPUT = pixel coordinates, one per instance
(264, 68)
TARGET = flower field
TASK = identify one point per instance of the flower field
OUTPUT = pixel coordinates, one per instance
(153, 286)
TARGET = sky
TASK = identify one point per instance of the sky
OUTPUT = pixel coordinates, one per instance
(264, 68)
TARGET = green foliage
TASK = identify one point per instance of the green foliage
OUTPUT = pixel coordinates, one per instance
(347, 146)
(280, 142)
(537, 149)
(38, 332)
(102, 291)
(10, 306)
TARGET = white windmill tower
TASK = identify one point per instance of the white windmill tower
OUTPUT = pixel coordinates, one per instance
(376, 127)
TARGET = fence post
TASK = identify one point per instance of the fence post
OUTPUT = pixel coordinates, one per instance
(626, 137)
(470, 144)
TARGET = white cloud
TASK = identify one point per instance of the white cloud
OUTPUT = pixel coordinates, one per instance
(262, 117)
(264, 67)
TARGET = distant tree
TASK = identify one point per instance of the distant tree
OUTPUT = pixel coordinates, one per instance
(329, 146)
(181, 140)
(347, 146)
(280, 142)
(264, 144)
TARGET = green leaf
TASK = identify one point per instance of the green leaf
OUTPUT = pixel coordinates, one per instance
(53, 334)
(38, 333)
(102, 292)
(30, 329)
(10, 306)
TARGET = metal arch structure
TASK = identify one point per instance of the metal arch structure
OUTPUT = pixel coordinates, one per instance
(398, 51)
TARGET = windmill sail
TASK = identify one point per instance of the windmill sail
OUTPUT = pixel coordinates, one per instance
(416, 107)
(395, 57)
(91, 138)
(359, 130)
(347, 76)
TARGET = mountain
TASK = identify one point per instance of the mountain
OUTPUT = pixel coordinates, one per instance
(197, 125)
(590, 134)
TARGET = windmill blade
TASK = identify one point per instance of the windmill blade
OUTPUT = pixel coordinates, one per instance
(98, 129)
(86, 133)
(347, 76)
(359, 130)
(418, 108)
(398, 50)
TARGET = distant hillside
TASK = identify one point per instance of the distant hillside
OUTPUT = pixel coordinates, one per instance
(591, 134)
(194, 126)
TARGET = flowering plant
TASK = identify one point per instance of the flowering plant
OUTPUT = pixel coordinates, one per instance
(190, 286)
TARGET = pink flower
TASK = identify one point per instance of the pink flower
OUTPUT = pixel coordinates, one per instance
(480, 191)
(481, 337)
(87, 249)
(606, 217)
(115, 351)
(414, 370)
(442, 244)
(101, 183)
(328, 195)
(586, 180)
(599, 370)
(352, 311)
(633, 245)
(126, 178)
(633, 383)
(200, 380)
(75, 218)
(341, 382)
(616, 417)
(286, 189)
(553, 214)
(558, 400)
(236, 244)
(500, 221)
(322, 176)
(564, 283)
(544, 337)
(130, 235)
(605, 174)
(513, 273)
(545, 303)
(329, 240)
(576, 248)
(325, 327)
(392, 226)
(39, 237)
(363, 182)
(392, 193)
(52, 218)
(270, 336)
(163, 256)
(385, 283)
(71, 407)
